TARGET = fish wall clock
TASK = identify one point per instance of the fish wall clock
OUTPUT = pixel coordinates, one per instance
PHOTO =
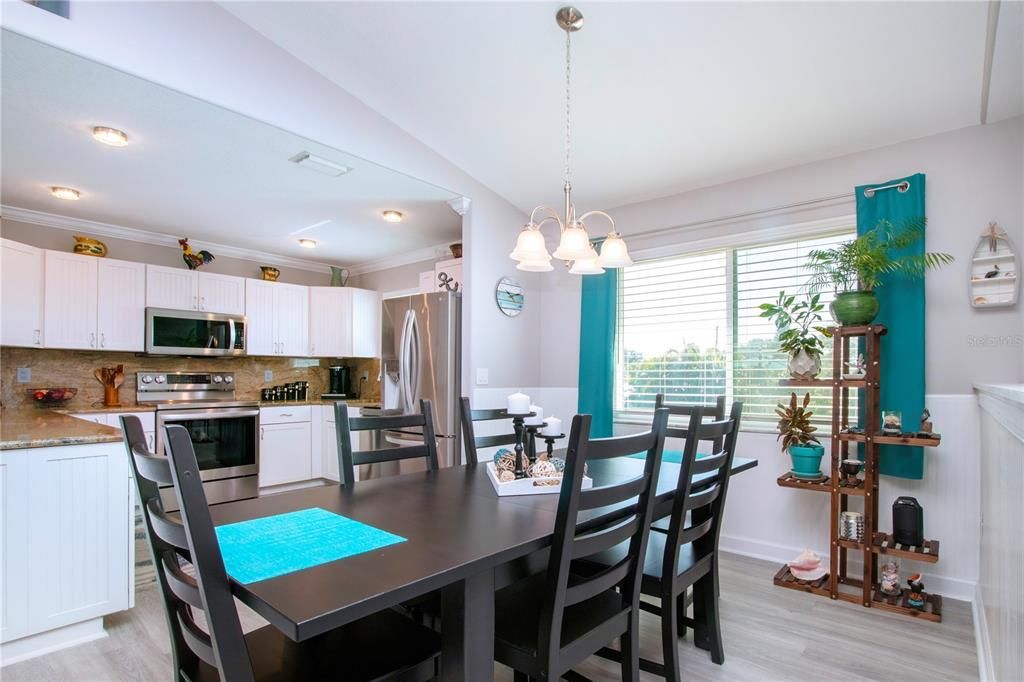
(995, 271)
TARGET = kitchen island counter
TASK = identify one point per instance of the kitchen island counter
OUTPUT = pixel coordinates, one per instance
(34, 427)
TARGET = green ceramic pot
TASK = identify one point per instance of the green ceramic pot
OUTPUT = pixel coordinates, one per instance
(806, 460)
(854, 308)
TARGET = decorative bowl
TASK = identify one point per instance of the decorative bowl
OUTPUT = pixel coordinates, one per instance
(52, 396)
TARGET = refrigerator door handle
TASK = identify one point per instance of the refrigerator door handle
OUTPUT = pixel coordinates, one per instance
(414, 361)
(405, 362)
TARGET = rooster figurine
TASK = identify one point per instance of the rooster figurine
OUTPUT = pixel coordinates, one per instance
(192, 259)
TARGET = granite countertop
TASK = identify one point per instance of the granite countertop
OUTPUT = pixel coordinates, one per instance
(104, 410)
(318, 401)
(33, 427)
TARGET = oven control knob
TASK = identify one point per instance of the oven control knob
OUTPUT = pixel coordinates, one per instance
(217, 378)
(160, 379)
(229, 379)
(146, 379)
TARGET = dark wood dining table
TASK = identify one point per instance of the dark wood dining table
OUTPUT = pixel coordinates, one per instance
(461, 538)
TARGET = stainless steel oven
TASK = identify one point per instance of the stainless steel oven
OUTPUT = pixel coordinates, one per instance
(224, 431)
(189, 332)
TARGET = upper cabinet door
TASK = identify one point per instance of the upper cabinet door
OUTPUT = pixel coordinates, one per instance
(259, 311)
(330, 322)
(121, 305)
(365, 323)
(174, 288)
(70, 301)
(21, 288)
(291, 319)
(221, 294)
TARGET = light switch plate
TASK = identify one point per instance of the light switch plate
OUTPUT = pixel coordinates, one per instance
(268, 375)
(482, 376)
(24, 375)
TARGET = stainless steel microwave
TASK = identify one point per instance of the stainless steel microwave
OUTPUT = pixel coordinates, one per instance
(189, 332)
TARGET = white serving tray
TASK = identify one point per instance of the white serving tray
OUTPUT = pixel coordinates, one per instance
(525, 486)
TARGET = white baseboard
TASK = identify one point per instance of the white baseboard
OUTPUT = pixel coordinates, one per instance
(985, 672)
(50, 641)
(951, 588)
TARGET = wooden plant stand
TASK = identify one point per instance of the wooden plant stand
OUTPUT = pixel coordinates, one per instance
(839, 584)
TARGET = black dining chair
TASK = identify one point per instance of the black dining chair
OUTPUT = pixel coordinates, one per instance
(472, 442)
(687, 555)
(716, 413)
(348, 459)
(552, 621)
(192, 577)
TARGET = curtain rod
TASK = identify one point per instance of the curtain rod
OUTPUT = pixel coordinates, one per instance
(868, 192)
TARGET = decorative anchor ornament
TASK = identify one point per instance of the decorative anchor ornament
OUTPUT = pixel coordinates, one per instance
(447, 282)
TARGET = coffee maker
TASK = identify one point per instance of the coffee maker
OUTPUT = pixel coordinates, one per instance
(340, 382)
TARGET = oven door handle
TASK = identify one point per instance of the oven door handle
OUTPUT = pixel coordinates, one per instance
(219, 413)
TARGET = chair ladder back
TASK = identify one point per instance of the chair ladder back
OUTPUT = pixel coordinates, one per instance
(717, 411)
(348, 458)
(472, 442)
(564, 588)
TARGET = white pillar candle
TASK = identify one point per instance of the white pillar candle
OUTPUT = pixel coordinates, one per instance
(538, 417)
(518, 403)
(552, 427)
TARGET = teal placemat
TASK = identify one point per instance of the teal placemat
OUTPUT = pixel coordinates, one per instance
(671, 456)
(265, 548)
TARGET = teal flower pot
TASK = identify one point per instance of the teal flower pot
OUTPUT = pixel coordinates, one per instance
(806, 460)
(852, 308)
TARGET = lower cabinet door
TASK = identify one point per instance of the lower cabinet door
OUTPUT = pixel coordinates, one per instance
(285, 453)
(330, 451)
(14, 575)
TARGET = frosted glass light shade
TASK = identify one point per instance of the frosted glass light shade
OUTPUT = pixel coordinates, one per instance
(614, 253)
(588, 265)
(539, 265)
(574, 244)
(530, 246)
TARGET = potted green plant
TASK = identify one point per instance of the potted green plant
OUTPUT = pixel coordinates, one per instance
(800, 336)
(797, 435)
(854, 269)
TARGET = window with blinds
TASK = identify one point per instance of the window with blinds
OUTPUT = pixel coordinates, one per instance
(689, 326)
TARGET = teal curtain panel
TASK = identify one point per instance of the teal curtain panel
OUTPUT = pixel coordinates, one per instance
(901, 309)
(597, 350)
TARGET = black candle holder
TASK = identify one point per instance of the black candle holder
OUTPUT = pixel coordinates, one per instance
(550, 440)
(520, 428)
(531, 447)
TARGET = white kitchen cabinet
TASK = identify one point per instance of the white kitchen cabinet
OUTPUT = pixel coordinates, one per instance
(330, 322)
(21, 288)
(278, 318)
(221, 293)
(121, 305)
(14, 500)
(182, 289)
(175, 288)
(93, 303)
(285, 453)
(365, 324)
(428, 284)
(329, 446)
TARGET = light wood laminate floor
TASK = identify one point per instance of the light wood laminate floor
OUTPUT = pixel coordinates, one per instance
(770, 634)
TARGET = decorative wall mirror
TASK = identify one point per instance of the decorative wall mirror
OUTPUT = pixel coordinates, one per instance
(508, 294)
(994, 270)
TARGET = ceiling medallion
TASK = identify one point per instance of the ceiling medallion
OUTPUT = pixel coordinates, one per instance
(574, 246)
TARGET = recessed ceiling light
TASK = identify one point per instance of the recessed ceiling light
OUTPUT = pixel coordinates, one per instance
(111, 136)
(66, 193)
(307, 243)
(319, 164)
(392, 216)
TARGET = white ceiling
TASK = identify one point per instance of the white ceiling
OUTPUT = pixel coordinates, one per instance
(667, 96)
(195, 170)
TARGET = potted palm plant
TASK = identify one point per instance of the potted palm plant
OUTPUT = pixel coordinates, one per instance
(800, 336)
(854, 269)
(797, 435)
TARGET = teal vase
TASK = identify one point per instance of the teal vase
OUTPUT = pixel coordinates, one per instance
(339, 277)
(852, 308)
(806, 460)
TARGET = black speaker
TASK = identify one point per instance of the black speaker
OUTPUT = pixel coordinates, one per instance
(907, 521)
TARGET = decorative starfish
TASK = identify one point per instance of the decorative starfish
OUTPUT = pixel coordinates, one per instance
(994, 234)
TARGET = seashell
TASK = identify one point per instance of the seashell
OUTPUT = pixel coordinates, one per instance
(506, 476)
(506, 462)
(542, 469)
(558, 463)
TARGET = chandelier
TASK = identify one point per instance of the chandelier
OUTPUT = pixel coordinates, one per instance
(574, 247)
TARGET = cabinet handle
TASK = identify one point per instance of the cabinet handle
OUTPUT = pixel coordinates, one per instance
(36, 337)
(312, 349)
(195, 302)
(286, 414)
(92, 340)
(261, 433)
(103, 340)
(202, 303)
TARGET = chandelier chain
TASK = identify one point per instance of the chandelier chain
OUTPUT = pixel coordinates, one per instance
(568, 82)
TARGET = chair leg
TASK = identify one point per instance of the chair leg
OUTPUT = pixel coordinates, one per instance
(709, 628)
(681, 606)
(520, 677)
(670, 636)
(629, 642)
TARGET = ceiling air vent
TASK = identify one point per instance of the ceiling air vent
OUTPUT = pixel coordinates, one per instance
(319, 164)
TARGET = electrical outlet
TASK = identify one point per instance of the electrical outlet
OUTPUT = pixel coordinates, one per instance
(482, 376)
(268, 375)
(24, 375)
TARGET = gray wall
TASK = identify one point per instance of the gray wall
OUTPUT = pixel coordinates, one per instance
(139, 252)
(392, 279)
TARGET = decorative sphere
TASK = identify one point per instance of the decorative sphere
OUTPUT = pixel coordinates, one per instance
(506, 462)
(506, 476)
(501, 453)
(558, 463)
(542, 469)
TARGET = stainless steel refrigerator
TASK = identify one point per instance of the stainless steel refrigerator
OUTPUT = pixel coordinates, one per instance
(421, 359)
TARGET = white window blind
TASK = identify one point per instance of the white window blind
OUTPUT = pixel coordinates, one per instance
(689, 326)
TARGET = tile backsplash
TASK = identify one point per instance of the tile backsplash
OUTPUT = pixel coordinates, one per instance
(66, 368)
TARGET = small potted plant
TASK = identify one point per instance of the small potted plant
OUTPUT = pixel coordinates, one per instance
(854, 269)
(799, 335)
(797, 436)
